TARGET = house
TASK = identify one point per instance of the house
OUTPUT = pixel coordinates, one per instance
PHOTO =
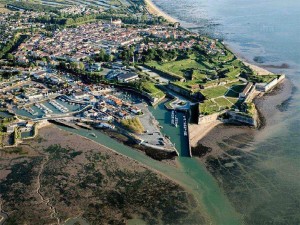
(124, 115)
(33, 96)
(39, 75)
(105, 125)
(11, 128)
(117, 23)
(114, 101)
(105, 118)
(118, 66)
(136, 110)
(127, 77)
(80, 95)
(95, 67)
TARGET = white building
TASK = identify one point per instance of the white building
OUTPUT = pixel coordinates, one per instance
(127, 77)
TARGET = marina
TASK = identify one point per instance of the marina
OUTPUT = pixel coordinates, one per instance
(42, 107)
(174, 118)
(58, 106)
(185, 126)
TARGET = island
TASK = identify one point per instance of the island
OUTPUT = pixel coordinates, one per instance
(105, 67)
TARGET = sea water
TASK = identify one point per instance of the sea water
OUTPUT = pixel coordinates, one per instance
(263, 185)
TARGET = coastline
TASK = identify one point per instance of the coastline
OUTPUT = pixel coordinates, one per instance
(220, 133)
(82, 150)
(199, 132)
(153, 9)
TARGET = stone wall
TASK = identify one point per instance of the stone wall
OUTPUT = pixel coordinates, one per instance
(244, 119)
(209, 118)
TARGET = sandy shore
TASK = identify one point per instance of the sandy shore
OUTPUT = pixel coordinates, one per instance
(199, 131)
(258, 70)
(153, 9)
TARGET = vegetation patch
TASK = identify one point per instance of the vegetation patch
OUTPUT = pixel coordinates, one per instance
(214, 92)
(223, 103)
(208, 107)
(133, 125)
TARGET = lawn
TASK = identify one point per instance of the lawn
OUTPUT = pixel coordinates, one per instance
(234, 83)
(208, 107)
(234, 101)
(234, 73)
(180, 67)
(214, 92)
(223, 102)
(188, 85)
(150, 88)
(263, 78)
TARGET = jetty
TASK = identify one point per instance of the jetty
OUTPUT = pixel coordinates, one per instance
(63, 123)
(83, 125)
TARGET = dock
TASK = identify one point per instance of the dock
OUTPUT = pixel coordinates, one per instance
(83, 125)
(63, 123)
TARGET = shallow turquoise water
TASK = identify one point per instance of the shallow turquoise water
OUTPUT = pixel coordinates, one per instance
(263, 185)
(191, 174)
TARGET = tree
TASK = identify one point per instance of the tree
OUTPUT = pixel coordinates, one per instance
(10, 57)
(81, 66)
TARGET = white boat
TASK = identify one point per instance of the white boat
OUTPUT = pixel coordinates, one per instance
(173, 117)
(176, 121)
(92, 134)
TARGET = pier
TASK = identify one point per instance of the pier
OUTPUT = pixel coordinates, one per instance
(63, 123)
(185, 132)
(44, 108)
(182, 119)
(58, 106)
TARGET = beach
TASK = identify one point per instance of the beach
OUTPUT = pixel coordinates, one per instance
(153, 9)
(258, 70)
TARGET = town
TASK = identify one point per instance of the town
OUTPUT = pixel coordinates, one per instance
(146, 112)
(103, 74)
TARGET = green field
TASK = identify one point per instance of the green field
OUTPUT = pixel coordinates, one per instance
(203, 70)
(215, 105)
(223, 102)
(193, 66)
(214, 92)
(208, 107)
(262, 78)
(220, 98)
(150, 88)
